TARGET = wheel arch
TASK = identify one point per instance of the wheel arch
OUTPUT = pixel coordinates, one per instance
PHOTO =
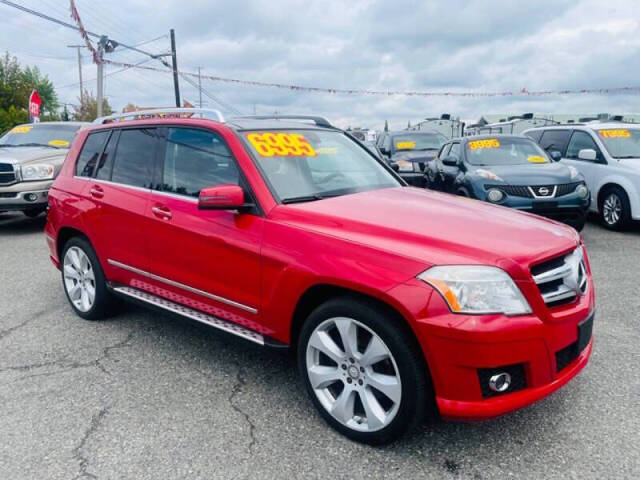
(64, 235)
(626, 185)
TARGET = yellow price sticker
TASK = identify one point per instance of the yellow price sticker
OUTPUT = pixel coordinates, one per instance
(405, 145)
(615, 133)
(536, 159)
(22, 129)
(59, 143)
(272, 144)
(488, 143)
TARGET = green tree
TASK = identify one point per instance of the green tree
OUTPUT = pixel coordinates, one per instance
(87, 108)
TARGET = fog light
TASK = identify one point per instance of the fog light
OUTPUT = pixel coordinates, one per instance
(31, 197)
(495, 195)
(500, 382)
(582, 191)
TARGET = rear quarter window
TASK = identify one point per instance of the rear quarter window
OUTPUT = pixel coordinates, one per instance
(90, 152)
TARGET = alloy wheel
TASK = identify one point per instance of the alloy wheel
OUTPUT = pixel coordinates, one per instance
(612, 209)
(353, 374)
(79, 279)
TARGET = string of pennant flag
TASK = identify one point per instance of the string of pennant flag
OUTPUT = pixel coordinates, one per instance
(353, 91)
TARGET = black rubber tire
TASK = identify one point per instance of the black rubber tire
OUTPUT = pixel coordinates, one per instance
(33, 213)
(105, 304)
(625, 214)
(463, 192)
(417, 390)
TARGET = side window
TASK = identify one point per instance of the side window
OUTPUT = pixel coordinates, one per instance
(580, 140)
(88, 157)
(386, 144)
(555, 140)
(535, 135)
(455, 150)
(103, 170)
(195, 159)
(133, 160)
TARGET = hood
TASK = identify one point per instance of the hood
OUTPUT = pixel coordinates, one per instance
(415, 155)
(25, 155)
(530, 174)
(434, 228)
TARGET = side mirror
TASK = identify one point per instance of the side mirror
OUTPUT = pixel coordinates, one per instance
(451, 161)
(222, 197)
(395, 167)
(384, 151)
(587, 154)
(555, 155)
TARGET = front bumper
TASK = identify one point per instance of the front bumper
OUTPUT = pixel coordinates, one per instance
(25, 196)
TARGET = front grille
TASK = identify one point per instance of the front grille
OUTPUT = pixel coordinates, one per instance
(512, 190)
(561, 279)
(7, 175)
(566, 188)
(518, 379)
(528, 191)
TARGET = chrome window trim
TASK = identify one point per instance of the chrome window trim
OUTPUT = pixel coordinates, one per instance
(177, 196)
(115, 184)
(183, 286)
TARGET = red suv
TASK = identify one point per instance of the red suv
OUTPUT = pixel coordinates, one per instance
(288, 232)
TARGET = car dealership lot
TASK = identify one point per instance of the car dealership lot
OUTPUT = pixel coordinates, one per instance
(147, 396)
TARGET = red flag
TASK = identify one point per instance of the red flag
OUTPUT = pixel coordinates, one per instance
(35, 102)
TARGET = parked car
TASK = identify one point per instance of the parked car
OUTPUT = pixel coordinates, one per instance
(396, 301)
(408, 152)
(608, 155)
(31, 156)
(512, 171)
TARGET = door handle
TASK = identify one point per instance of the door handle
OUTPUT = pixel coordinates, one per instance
(162, 212)
(96, 191)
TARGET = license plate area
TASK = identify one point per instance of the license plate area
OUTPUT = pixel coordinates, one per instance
(544, 205)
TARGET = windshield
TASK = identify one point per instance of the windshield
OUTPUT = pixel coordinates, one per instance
(53, 135)
(418, 141)
(305, 165)
(621, 142)
(504, 151)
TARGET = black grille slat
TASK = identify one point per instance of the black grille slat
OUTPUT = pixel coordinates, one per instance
(6, 167)
(566, 188)
(7, 175)
(518, 379)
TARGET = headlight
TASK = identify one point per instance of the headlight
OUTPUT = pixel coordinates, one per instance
(574, 172)
(494, 195)
(477, 289)
(582, 191)
(404, 166)
(487, 174)
(41, 171)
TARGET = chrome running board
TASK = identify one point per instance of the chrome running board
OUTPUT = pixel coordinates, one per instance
(197, 315)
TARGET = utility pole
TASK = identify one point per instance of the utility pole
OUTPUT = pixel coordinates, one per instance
(200, 88)
(78, 47)
(100, 94)
(174, 60)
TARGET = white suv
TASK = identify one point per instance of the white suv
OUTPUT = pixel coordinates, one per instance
(608, 155)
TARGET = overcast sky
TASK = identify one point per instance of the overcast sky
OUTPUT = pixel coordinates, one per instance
(445, 46)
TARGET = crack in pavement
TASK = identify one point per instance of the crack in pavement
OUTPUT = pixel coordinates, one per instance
(83, 461)
(235, 390)
(8, 331)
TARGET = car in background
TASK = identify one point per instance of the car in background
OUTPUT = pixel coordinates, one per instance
(31, 156)
(408, 152)
(396, 301)
(608, 156)
(512, 171)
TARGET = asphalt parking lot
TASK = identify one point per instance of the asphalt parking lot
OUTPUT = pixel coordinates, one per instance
(146, 396)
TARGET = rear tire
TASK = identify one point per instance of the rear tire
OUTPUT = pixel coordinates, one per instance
(84, 282)
(614, 208)
(380, 354)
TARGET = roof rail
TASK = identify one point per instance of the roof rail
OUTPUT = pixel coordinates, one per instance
(319, 121)
(160, 113)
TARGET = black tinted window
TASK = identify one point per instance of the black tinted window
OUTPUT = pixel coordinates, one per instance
(103, 170)
(535, 135)
(134, 157)
(555, 140)
(579, 141)
(89, 155)
(195, 159)
(455, 150)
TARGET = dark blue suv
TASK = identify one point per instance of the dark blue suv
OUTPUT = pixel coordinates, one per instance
(513, 171)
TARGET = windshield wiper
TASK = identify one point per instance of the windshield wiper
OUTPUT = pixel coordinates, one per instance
(36, 145)
(310, 198)
(629, 156)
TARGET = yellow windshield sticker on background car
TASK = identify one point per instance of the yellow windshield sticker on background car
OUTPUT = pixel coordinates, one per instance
(59, 143)
(488, 143)
(615, 133)
(22, 129)
(272, 144)
(405, 145)
(536, 159)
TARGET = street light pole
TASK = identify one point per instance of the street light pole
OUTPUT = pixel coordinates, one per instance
(174, 61)
(100, 65)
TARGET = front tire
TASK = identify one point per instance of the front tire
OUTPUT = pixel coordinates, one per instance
(363, 370)
(615, 210)
(84, 281)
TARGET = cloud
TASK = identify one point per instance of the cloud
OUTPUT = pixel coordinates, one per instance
(491, 45)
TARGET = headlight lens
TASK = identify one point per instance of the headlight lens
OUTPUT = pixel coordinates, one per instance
(477, 289)
(481, 172)
(404, 166)
(42, 171)
(582, 191)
